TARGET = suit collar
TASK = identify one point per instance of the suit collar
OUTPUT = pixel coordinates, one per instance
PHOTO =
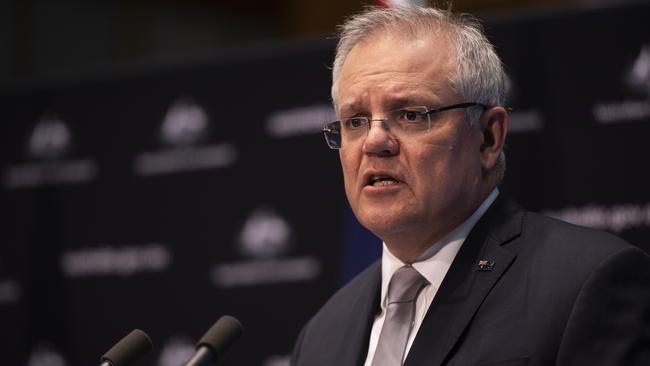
(356, 331)
(465, 286)
(434, 263)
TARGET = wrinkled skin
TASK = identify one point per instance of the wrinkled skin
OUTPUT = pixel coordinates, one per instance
(434, 180)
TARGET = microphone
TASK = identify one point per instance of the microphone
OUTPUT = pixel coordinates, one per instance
(216, 341)
(129, 349)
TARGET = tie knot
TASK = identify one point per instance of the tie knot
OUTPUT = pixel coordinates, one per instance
(405, 285)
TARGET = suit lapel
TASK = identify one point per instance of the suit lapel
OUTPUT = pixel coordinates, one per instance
(360, 317)
(465, 286)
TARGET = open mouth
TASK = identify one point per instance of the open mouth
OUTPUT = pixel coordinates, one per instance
(382, 180)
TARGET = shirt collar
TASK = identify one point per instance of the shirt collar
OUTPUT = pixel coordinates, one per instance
(434, 263)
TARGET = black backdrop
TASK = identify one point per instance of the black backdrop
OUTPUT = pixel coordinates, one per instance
(164, 199)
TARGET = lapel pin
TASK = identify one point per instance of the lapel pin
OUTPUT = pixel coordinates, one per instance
(485, 265)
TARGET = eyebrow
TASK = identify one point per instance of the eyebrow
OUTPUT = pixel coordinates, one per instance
(405, 100)
(350, 108)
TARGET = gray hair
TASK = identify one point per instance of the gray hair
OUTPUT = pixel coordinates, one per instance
(479, 76)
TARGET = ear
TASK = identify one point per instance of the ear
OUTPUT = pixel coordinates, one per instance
(494, 126)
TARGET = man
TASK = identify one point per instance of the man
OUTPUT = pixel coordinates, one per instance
(466, 277)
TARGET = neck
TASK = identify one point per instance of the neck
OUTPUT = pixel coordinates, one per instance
(408, 246)
(407, 253)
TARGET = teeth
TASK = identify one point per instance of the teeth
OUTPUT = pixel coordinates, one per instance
(384, 182)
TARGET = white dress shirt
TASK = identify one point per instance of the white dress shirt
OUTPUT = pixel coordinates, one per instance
(433, 265)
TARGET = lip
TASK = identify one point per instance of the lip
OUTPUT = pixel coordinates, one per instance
(371, 173)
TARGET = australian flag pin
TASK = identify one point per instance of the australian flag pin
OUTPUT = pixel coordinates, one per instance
(485, 265)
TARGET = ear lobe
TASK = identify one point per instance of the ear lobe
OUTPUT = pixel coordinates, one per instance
(495, 128)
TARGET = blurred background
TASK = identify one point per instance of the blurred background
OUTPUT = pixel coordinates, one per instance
(161, 163)
(42, 39)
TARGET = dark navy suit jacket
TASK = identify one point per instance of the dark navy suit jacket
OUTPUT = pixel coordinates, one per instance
(557, 294)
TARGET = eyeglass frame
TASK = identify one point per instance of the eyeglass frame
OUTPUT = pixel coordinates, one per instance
(331, 129)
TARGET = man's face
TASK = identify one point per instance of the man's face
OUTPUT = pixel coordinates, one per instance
(415, 189)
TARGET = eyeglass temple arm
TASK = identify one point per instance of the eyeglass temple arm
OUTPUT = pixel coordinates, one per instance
(457, 106)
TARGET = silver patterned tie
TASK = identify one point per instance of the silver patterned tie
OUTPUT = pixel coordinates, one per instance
(403, 289)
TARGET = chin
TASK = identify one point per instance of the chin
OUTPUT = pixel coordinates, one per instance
(383, 224)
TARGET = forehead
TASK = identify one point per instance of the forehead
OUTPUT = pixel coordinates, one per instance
(385, 68)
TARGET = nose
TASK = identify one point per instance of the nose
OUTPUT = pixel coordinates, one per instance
(380, 141)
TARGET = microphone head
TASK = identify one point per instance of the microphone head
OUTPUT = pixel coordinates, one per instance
(129, 349)
(221, 335)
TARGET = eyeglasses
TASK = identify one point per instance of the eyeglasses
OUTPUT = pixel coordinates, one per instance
(401, 122)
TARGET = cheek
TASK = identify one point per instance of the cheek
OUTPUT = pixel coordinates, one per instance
(350, 168)
(431, 159)
(442, 167)
(427, 168)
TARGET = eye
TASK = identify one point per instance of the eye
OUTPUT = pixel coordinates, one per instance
(355, 122)
(411, 116)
